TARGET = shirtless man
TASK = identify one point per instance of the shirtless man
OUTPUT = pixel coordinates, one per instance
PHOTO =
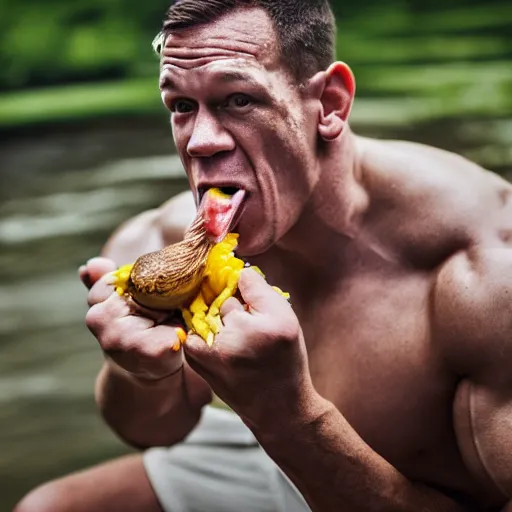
(388, 386)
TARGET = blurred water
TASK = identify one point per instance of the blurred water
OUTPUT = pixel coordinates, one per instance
(61, 195)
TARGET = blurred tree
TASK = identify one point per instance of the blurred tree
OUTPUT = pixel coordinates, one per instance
(60, 41)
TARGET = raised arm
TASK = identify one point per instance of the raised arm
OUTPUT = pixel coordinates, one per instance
(147, 394)
(473, 305)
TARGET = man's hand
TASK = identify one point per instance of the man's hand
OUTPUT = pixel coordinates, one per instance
(131, 336)
(258, 364)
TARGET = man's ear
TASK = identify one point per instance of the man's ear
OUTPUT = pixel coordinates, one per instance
(335, 89)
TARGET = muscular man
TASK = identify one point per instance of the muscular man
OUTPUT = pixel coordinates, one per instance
(387, 387)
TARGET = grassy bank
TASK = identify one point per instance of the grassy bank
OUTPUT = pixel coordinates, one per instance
(410, 64)
(75, 102)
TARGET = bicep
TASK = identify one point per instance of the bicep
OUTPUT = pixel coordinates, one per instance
(472, 312)
(133, 238)
(151, 230)
(483, 426)
(473, 325)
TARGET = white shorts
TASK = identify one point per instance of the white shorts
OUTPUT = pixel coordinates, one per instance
(220, 467)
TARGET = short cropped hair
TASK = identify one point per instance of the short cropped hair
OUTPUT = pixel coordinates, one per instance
(305, 29)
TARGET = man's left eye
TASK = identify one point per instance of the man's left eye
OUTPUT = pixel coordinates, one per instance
(238, 101)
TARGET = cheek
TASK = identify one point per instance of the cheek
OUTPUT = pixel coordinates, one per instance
(295, 184)
(295, 170)
(181, 131)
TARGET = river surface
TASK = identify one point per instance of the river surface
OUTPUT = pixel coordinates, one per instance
(64, 189)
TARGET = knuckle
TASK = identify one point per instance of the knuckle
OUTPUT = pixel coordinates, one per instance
(150, 353)
(95, 319)
(131, 343)
(238, 358)
(98, 293)
(139, 350)
(290, 330)
(137, 344)
(236, 316)
(111, 340)
(283, 330)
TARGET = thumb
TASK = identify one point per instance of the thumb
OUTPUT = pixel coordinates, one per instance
(258, 294)
(197, 353)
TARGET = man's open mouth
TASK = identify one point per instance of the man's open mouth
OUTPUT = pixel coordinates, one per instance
(221, 209)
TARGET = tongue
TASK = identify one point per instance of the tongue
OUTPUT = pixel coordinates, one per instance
(219, 212)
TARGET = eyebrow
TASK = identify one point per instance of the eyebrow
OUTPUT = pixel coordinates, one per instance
(238, 76)
(166, 82)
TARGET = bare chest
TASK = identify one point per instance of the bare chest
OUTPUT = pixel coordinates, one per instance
(372, 353)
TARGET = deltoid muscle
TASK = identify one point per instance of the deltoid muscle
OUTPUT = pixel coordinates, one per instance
(194, 276)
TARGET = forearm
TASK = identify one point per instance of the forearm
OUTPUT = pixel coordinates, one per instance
(336, 470)
(145, 413)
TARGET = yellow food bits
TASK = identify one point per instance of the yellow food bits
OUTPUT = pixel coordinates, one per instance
(182, 337)
(121, 277)
(220, 281)
(217, 192)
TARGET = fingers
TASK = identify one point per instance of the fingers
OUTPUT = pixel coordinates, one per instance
(259, 295)
(195, 345)
(94, 270)
(198, 354)
(104, 313)
(116, 329)
(149, 353)
(101, 290)
(230, 305)
(83, 274)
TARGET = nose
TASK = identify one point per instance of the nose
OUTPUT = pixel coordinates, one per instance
(208, 137)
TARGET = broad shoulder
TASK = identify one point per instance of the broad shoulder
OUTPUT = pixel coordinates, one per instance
(432, 199)
(430, 173)
(151, 230)
(472, 312)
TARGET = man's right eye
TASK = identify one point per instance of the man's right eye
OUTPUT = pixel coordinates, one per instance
(182, 106)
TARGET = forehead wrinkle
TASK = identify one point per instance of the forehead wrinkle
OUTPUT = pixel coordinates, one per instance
(205, 49)
(238, 70)
(247, 31)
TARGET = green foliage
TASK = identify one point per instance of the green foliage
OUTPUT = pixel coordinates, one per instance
(58, 41)
(416, 58)
(131, 96)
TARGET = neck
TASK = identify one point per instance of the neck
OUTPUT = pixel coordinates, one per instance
(332, 217)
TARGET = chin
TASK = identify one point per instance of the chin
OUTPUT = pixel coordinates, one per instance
(253, 242)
